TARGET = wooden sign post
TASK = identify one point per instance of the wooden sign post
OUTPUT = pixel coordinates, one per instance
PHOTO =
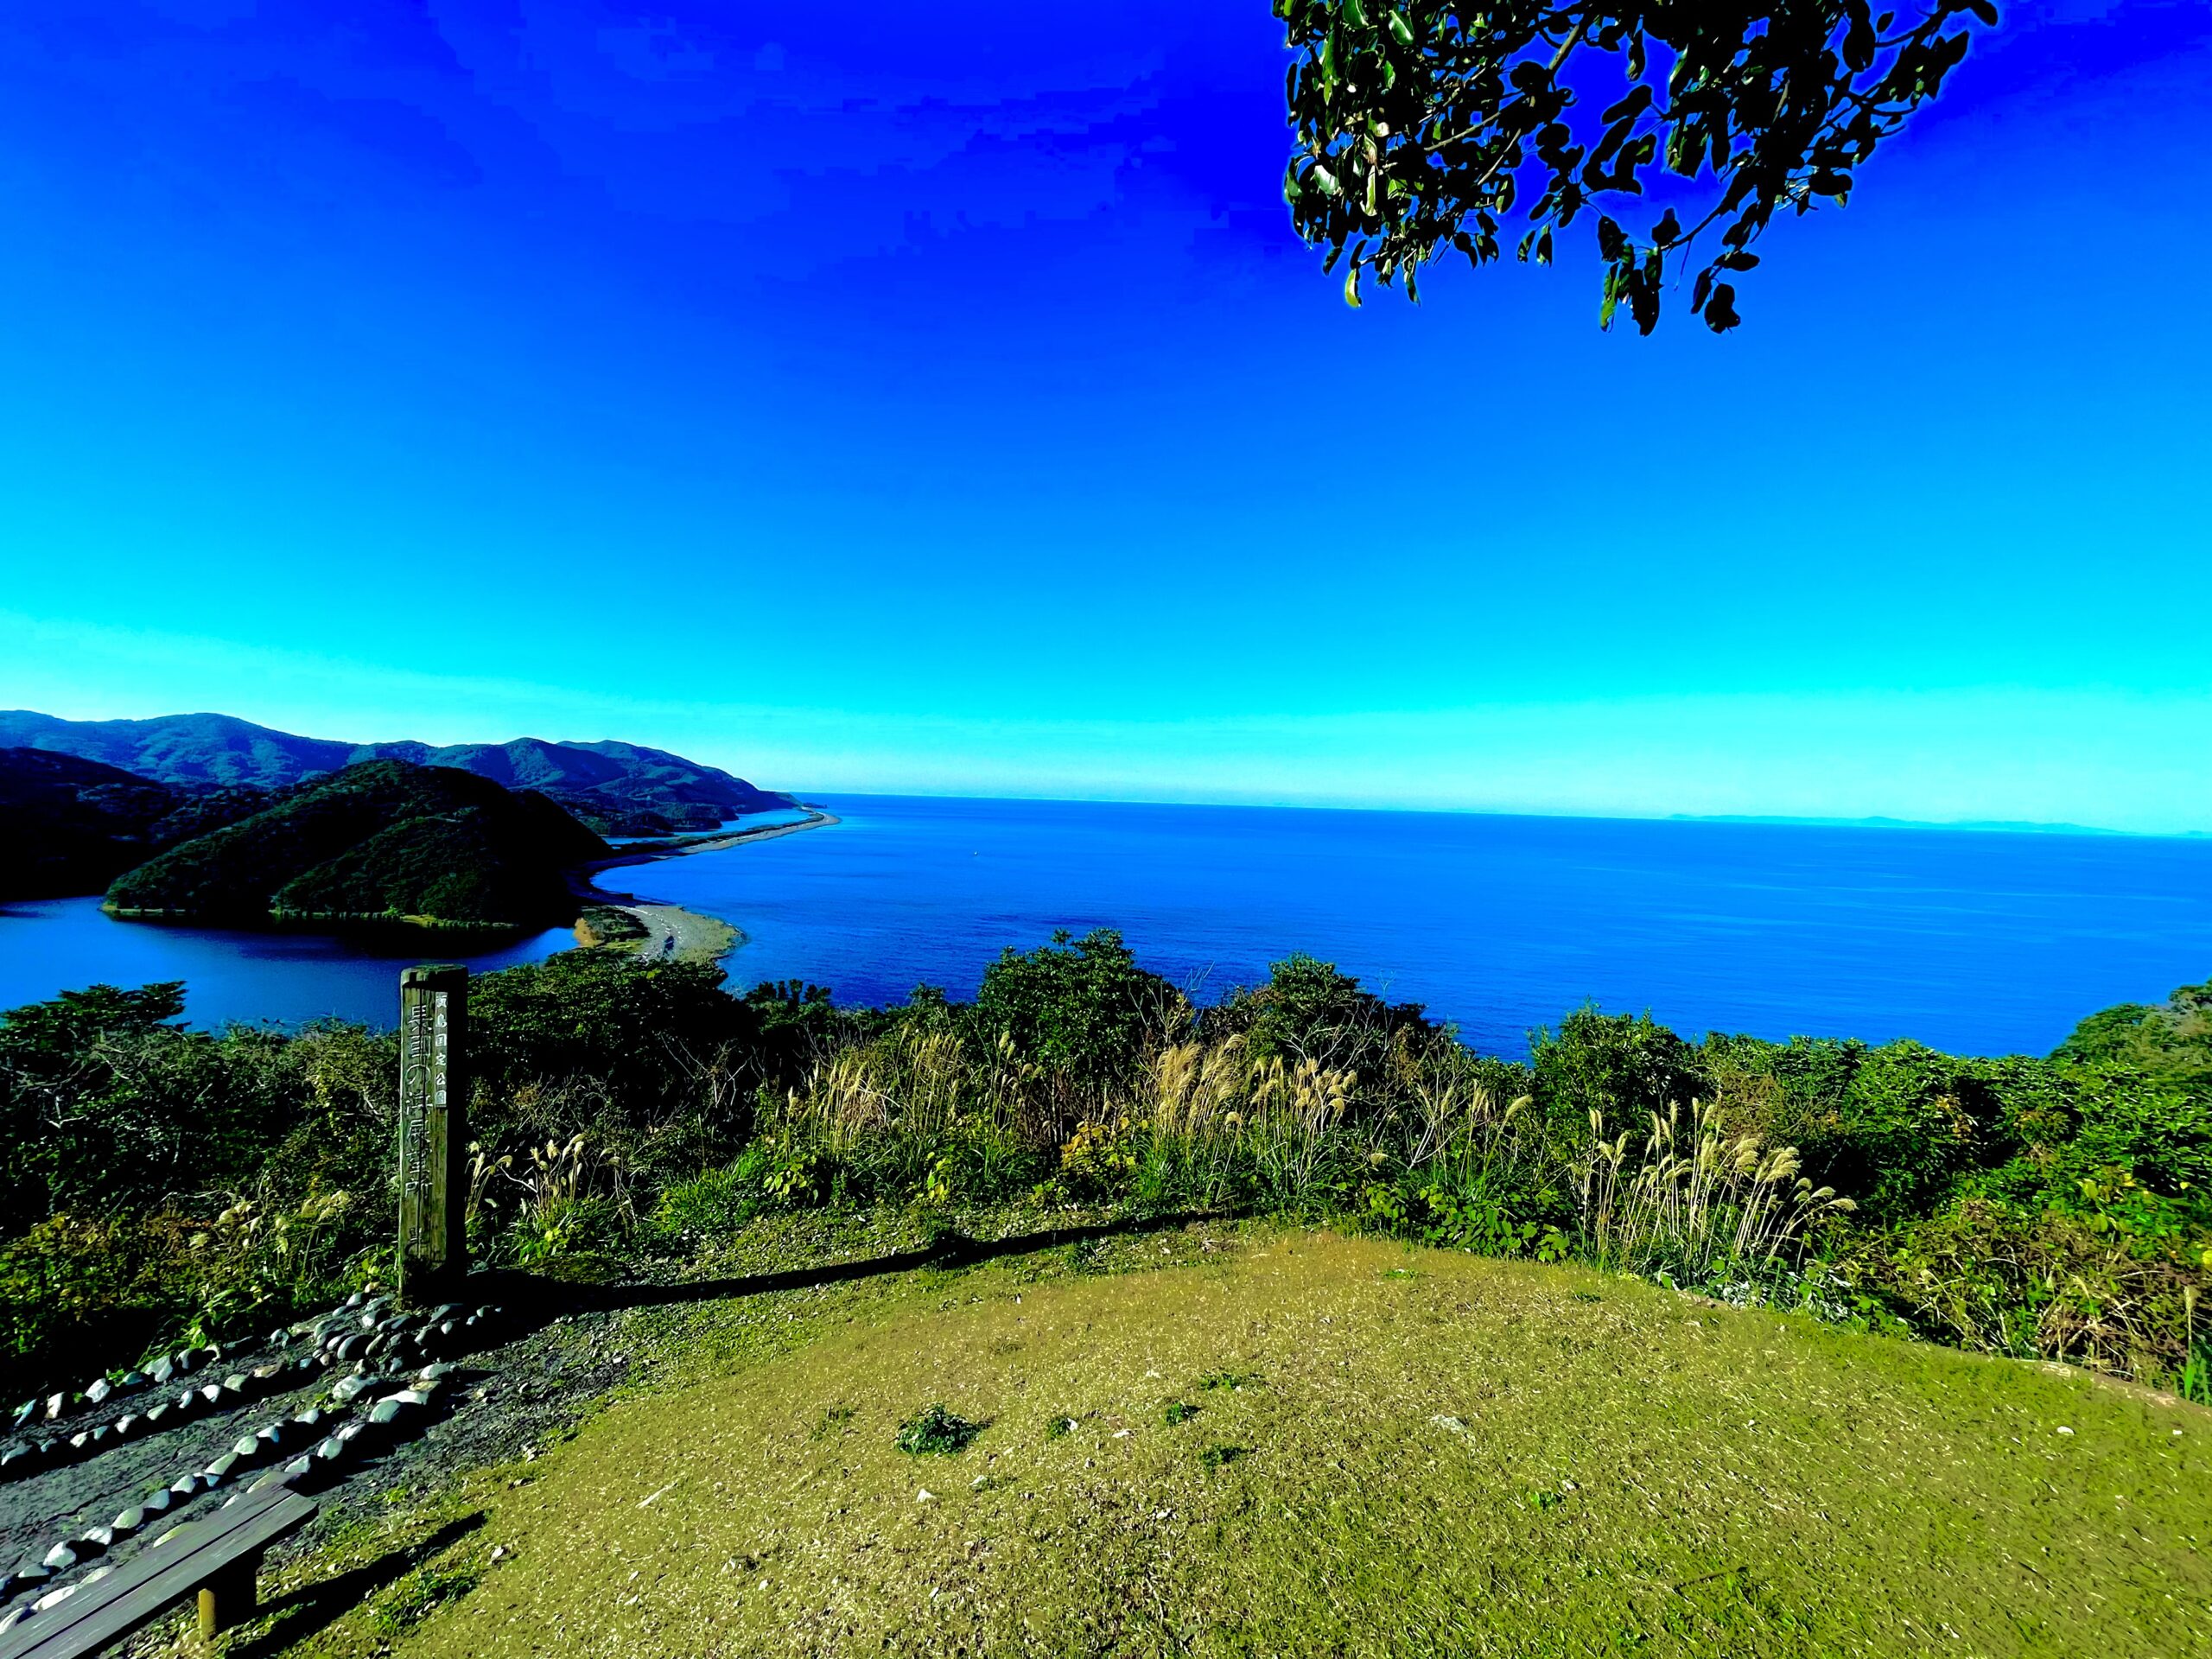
(433, 1130)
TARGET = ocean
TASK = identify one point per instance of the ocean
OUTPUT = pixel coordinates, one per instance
(1984, 942)
(1978, 942)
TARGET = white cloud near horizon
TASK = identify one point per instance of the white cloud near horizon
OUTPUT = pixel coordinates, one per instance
(2104, 757)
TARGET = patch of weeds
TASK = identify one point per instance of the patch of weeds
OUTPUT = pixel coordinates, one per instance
(1088, 1255)
(1059, 1428)
(1216, 1457)
(1547, 1500)
(1180, 1411)
(419, 1594)
(942, 1235)
(833, 1422)
(1588, 1296)
(1400, 1273)
(936, 1431)
(1230, 1379)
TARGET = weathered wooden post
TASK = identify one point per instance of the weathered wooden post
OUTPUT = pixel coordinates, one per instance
(433, 1130)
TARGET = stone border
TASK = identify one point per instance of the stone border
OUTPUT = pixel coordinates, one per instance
(364, 1328)
(328, 1456)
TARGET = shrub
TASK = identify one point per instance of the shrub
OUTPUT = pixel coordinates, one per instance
(935, 1431)
(1086, 1011)
(1625, 1066)
(2037, 1284)
(1309, 1011)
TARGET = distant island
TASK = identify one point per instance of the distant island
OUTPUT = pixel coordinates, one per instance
(210, 819)
(1988, 826)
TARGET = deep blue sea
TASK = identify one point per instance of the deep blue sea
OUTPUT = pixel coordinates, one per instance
(1977, 942)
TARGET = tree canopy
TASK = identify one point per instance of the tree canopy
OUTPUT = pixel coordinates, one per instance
(1422, 125)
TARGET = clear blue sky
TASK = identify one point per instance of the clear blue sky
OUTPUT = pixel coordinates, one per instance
(935, 398)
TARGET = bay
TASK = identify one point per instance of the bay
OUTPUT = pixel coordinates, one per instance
(1979, 942)
(50, 945)
(1974, 942)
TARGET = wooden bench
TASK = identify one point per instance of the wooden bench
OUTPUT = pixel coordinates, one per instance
(219, 1555)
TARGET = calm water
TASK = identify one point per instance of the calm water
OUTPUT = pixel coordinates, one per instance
(55, 944)
(1986, 943)
(1975, 942)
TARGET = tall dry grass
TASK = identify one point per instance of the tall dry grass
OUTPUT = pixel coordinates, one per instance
(1697, 1199)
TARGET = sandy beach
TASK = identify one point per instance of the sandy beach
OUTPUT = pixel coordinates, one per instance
(673, 933)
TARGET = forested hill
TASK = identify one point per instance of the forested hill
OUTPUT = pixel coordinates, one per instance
(69, 825)
(616, 788)
(384, 840)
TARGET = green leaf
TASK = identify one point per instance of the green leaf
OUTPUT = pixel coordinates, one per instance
(1401, 30)
(1355, 14)
(1352, 286)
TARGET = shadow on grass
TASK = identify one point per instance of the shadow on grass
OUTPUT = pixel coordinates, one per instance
(530, 1297)
(313, 1608)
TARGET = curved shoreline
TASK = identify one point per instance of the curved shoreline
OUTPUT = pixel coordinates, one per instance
(673, 933)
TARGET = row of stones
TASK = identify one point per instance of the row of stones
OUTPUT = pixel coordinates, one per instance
(368, 1327)
(100, 1390)
(334, 1448)
(235, 1389)
(364, 1329)
(161, 1372)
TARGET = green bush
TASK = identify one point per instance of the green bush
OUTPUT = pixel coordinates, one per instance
(1086, 1011)
(165, 1181)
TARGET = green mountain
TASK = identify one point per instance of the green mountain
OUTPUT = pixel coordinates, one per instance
(381, 841)
(69, 825)
(616, 788)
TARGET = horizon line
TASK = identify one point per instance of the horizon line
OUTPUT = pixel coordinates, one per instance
(1870, 821)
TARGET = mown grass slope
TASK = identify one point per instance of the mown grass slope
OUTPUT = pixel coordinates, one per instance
(1306, 1444)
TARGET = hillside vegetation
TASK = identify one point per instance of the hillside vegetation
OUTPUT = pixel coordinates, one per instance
(616, 788)
(385, 839)
(69, 825)
(628, 1110)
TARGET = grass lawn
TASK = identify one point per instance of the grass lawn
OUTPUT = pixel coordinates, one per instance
(1292, 1443)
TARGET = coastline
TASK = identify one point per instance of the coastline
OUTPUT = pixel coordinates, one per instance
(669, 933)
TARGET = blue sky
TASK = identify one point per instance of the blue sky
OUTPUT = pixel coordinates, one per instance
(935, 400)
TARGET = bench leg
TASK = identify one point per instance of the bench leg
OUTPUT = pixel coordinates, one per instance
(228, 1598)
